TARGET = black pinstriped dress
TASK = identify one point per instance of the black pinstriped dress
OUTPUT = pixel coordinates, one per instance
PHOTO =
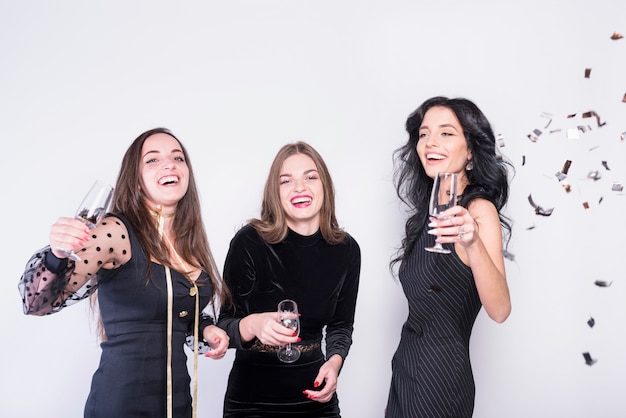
(431, 371)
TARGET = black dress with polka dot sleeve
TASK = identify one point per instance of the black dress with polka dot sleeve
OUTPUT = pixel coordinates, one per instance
(131, 379)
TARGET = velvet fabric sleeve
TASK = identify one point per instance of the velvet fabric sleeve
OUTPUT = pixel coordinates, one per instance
(340, 327)
(239, 275)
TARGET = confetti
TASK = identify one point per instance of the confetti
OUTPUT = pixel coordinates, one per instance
(591, 322)
(587, 72)
(500, 140)
(588, 360)
(622, 136)
(538, 209)
(566, 166)
(572, 133)
(603, 283)
(594, 175)
(616, 36)
(547, 116)
(586, 205)
(617, 187)
(592, 113)
(606, 165)
(624, 98)
(567, 187)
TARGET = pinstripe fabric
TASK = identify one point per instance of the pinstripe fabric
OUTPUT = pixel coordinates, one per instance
(431, 371)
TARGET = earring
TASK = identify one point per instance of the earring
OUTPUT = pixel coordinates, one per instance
(469, 165)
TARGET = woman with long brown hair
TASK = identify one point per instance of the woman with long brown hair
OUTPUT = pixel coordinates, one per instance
(154, 272)
(295, 250)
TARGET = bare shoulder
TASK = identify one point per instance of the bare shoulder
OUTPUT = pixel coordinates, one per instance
(483, 210)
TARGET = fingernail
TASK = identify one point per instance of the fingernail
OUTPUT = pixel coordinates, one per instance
(304, 393)
(294, 334)
(299, 339)
(432, 231)
(432, 225)
(316, 384)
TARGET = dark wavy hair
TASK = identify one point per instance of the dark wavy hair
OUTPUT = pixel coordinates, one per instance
(489, 178)
(272, 226)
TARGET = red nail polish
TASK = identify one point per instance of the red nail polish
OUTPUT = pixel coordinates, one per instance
(299, 339)
(294, 334)
(316, 384)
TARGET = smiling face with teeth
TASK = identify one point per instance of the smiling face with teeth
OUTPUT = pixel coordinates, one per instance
(301, 193)
(164, 172)
(442, 146)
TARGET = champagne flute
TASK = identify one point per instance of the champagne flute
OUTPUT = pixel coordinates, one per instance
(289, 317)
(442, 197)
(92, 209)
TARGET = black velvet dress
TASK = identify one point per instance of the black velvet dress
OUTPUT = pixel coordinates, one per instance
(323, 279)
(431, 371)
(131, 380)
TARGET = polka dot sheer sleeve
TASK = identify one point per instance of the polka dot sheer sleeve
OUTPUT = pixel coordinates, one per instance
(49, 284)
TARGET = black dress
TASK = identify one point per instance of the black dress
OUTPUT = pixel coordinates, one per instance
(131, 379)
(431, 371)
(323, 279)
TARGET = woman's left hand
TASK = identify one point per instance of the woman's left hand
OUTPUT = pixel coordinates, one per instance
(218, 340)
(454, 225)
(328, 374)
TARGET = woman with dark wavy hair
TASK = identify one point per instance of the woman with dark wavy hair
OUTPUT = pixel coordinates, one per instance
(295, 250)
(431, 370)
(154, 272)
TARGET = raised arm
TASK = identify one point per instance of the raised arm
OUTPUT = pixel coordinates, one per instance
(479, 244)
(477, 235)
(51, 282)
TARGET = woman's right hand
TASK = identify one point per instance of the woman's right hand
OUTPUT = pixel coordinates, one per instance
(68, 234)
(266, 327)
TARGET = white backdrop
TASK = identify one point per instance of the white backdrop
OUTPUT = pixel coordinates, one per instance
(236, 80)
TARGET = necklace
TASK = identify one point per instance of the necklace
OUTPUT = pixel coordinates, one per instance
(158, 214)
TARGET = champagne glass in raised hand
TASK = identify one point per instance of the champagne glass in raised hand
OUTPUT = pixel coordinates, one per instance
(443, 197)
(93, 208)
(289, 317)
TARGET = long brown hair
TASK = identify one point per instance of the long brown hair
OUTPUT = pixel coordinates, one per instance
(272, 226)
(192, 243)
